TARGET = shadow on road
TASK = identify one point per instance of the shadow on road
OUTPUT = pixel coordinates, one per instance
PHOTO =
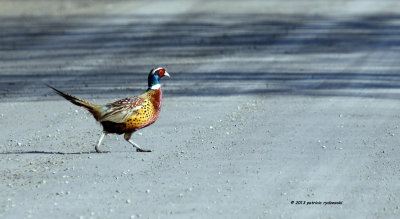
(267, 54)
(45, 152)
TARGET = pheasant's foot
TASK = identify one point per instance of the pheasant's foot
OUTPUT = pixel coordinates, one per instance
(100, 151)
(138, 148)
(142, 150)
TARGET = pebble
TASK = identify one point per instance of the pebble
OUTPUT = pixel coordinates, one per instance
(128, 201)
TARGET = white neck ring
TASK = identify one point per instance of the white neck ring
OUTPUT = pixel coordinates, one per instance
(155, 87)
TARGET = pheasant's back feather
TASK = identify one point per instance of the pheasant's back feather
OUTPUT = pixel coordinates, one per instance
(120, 110)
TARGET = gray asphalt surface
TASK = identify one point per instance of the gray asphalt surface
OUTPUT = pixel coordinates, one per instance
(274, 109)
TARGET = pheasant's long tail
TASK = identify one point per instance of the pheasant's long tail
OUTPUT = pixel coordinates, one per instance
(93, 108)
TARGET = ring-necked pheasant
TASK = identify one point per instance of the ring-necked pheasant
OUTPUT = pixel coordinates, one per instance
(127, 115)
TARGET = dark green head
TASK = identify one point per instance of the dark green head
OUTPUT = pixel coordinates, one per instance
(154, 77)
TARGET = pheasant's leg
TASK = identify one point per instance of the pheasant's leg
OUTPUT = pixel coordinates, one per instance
(127, 137)
(99, 143)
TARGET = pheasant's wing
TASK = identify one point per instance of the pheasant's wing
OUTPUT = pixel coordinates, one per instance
(121, 110)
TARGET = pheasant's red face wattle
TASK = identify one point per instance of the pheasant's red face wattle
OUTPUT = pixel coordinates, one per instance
(161, 72)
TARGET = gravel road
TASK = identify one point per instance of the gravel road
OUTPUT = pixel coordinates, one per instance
(273, 109)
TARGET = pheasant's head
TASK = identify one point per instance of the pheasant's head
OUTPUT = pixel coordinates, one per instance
(154, 77)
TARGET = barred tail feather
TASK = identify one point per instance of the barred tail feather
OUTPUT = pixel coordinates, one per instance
(79, 102)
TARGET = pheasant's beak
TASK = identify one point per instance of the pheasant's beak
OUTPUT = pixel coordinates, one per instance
(166, 74)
